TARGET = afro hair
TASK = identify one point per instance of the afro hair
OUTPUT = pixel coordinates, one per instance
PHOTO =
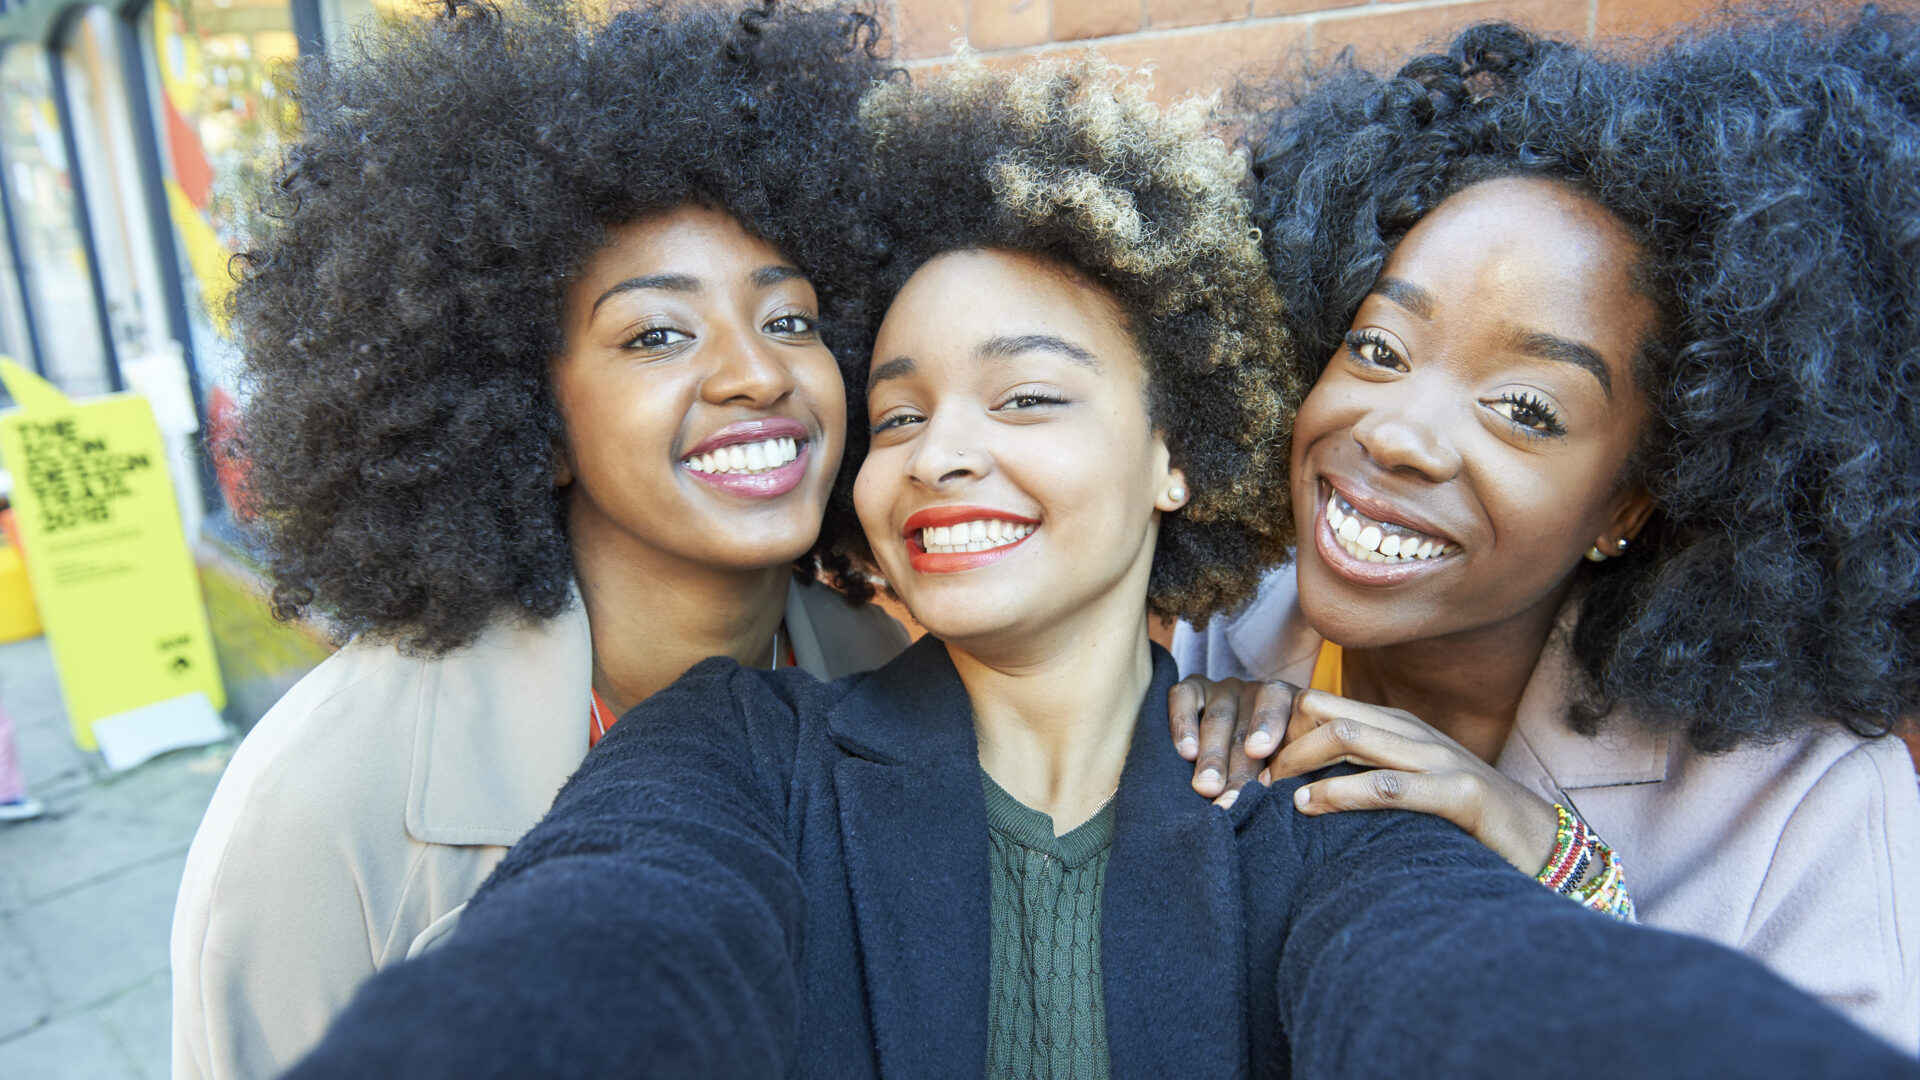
(1072, 161)
(451, 175)
(1769, 164)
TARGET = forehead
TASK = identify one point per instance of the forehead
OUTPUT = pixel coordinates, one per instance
(696, 241)
(962, 298)
(1529, 247)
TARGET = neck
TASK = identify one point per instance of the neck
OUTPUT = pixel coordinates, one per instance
(1467, 685)
(1055, 718)
(653, 616)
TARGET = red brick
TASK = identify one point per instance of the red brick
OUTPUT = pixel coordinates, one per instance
(1645, 18)
(1206, 60)
(1388, 35)
(1009, 24)
(1170, 13)
(1295, 7)
(929, 27)
(1076, 19)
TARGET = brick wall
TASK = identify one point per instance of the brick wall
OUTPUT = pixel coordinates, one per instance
(1199, 45)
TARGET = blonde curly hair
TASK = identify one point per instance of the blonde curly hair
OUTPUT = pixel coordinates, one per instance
(1072, 160)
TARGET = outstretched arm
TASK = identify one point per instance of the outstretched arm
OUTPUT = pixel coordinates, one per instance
(1415, 951)
(649, 924)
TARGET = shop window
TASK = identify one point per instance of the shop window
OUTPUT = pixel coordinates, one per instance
(55, 270)
(100, 110)
(217, 81)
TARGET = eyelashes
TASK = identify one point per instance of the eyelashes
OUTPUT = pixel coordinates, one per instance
(1531, 415)
(1370, 347)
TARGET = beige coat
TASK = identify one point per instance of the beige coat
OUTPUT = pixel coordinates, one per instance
(362, 811)
(1805, 854)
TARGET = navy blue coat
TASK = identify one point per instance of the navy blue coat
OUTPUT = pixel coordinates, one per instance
(758, 875)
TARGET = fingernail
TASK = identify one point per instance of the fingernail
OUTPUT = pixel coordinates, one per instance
(1210, 776)
(1188, 745)
(1259, 744)
(1225, 802)
(1301, 797)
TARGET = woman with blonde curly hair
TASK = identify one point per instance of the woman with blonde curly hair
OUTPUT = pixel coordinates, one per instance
(983, 859)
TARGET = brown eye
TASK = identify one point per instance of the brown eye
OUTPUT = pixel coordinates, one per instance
(791, 325)
(1369, 347)
(658, 337)
(1530, 414)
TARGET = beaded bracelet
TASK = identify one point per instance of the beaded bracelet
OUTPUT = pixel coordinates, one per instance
(1572, 853)
(1575, 849)
(1607, 893)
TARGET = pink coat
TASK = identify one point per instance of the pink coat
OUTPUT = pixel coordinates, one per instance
(1805, 854)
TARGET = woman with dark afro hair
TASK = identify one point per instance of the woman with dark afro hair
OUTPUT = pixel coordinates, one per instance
(983, 860)
(1609, 487)
(542, 412)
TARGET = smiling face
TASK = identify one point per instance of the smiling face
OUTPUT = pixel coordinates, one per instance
(704, 417)
(1464, 449)
(1014, 481)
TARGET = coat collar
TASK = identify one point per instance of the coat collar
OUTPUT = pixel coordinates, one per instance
(1546, 754)
(1271, 635)
(1171, 934)
(499, 725)
(1273, 639)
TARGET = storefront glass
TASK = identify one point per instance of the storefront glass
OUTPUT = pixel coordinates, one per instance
(217, 84)
(100, 110)
(56, 270)
(15, 342)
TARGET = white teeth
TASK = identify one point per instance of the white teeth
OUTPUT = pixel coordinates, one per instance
(1370, 541)
(981, 535)
(746, 457)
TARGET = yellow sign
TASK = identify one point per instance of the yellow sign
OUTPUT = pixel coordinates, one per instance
(105, 554)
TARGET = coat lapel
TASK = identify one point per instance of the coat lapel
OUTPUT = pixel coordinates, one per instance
(1172, 950)
(919, 880)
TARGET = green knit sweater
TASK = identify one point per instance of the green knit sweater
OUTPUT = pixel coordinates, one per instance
(1046, 1014)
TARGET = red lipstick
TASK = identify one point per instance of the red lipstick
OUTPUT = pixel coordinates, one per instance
(936, 517)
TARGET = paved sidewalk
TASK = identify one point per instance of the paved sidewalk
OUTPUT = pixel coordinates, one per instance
(86, 893)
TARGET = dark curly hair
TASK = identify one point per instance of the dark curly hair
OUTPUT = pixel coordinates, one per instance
(451, 176)
(1769, 164)
(1074, 162)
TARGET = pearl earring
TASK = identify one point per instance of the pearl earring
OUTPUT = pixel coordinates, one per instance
(1178, 493)
(1594, 554)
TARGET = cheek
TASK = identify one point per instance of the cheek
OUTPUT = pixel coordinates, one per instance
(873, 491)
(821, 381)
(619, 425)
(1552, 510)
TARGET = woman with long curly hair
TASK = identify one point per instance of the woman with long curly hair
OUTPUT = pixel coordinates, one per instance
(542, 412)
(983, 859)
(1609, 487)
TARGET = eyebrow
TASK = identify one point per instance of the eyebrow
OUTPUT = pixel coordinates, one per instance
(897, 368)
(1407, 295)
(765, 277)
(1551, 347)
(1003, 348)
